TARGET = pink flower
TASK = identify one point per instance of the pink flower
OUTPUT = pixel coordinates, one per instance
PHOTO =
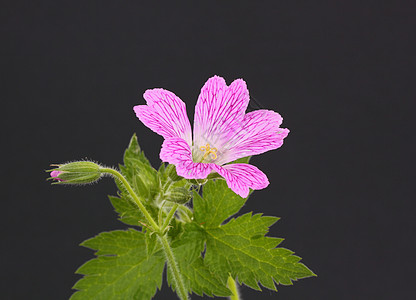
(55, 174)
(223, 132)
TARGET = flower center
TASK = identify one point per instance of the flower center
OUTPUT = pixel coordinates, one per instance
(208, 150)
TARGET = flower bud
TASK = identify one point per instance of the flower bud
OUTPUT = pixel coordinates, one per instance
(179, 195)
(79, 172)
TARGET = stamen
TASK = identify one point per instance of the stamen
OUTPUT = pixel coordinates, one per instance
(208, 150)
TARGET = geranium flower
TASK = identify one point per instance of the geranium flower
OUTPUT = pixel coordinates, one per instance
(223, 132)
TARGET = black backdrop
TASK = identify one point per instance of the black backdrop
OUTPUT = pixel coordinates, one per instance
(341, 75)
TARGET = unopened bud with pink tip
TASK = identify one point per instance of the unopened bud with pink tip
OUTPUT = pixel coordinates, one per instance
(55, 175)
(79, 172)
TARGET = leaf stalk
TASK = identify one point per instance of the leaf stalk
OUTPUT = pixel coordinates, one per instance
(169, 218)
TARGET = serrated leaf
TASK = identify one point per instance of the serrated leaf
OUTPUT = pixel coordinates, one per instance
(240, 247)
(198, 278)
(144, 181)
(218, 203)
(139, 172)
(127, 210)
(133, 153)
(122, 269)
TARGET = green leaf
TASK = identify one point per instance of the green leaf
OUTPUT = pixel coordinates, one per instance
(240, 248)
(198, 278)
(144, 181)
(218, 203)
(139, 172)
(133, 154)
(127, 210)
(122, 269)
(243, 160)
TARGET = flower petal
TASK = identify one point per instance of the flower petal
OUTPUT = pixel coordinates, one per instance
(165, 114)
(259, 132)
(241, 177)
(55, 175)
(218, 111)
(176, 151)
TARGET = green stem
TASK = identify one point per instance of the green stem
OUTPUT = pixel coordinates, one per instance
(169, 217)
(232, 285)
(172, 264)
(180, 286)
(136, 199)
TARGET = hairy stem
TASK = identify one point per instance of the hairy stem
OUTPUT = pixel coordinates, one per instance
(172, 264)
(163, 239)
(232, 285)
(136, 199)
(169, 217)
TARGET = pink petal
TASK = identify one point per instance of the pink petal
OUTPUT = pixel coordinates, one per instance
(165, 114)
(218, 111)
(55, 175)
(241, 177)
(176, 151)
(258, 132)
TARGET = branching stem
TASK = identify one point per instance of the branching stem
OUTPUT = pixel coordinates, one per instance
(163, 239)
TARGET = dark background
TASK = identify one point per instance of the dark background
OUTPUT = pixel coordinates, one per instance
(340, 73)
